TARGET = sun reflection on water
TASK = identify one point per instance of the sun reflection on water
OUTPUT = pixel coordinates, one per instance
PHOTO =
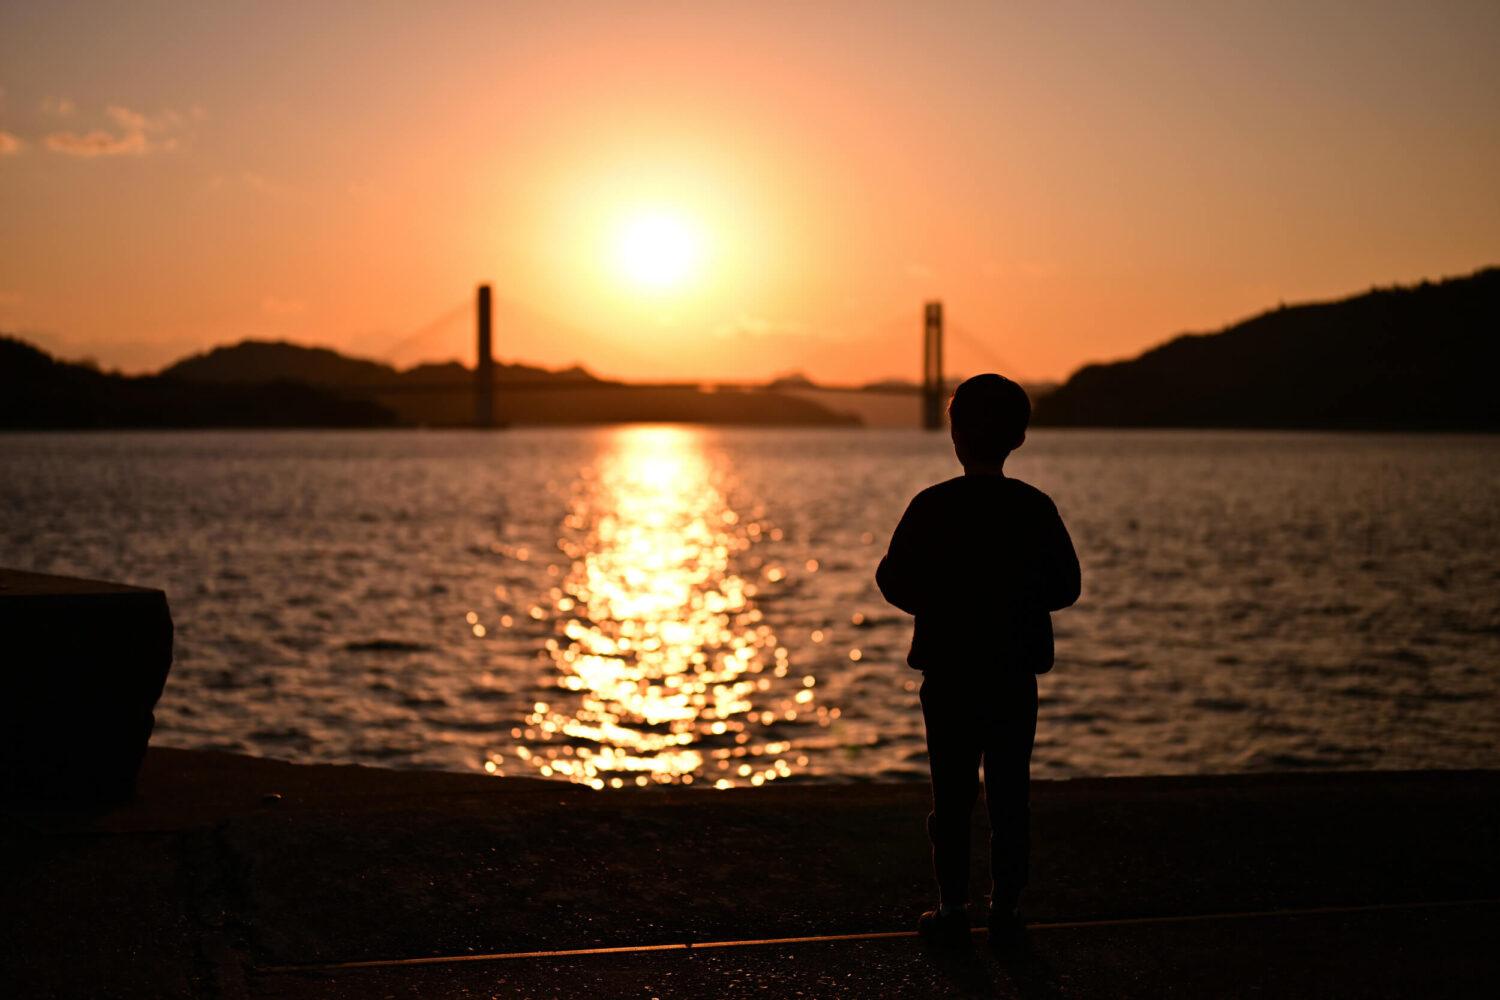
(666, 670)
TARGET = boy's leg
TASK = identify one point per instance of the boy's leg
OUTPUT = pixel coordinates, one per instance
(954, 749)
(1007, 790)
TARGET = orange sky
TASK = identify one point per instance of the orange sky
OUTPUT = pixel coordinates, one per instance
(1076, 181)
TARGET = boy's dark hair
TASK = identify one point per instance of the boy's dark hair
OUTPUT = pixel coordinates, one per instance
(988, 415)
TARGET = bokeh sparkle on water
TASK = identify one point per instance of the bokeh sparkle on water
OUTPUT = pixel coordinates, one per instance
(666, 670)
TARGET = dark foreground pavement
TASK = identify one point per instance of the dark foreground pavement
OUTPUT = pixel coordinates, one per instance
(1316, 885)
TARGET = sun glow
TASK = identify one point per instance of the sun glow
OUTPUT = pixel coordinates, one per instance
(657, 250)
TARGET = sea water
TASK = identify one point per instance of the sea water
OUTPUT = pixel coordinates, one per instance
(642, 604)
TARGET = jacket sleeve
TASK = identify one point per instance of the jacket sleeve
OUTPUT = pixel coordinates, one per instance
(1059, 579)
(900, 575)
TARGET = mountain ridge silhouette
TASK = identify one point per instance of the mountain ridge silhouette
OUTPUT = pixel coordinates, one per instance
(1418, 357)
(40, 392)
(278, 384)
(280, 360)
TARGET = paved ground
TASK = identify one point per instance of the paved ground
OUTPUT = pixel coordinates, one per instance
(1362, 885)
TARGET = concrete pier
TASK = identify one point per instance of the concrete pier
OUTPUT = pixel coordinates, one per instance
(240, 877)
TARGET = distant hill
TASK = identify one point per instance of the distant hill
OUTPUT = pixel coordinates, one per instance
(37, 391)
(792, 380)
(1422, 357)
(272, 361)
(442, 395)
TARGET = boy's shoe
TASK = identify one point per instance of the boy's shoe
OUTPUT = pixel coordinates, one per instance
(945, 930)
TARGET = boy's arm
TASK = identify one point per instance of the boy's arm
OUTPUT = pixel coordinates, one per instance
(899, 575)
(1060, 581)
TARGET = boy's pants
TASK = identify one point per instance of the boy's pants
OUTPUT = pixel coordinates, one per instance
(993, 721)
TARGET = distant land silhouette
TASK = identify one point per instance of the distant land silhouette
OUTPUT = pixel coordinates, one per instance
(442, 395)
(260, 384)
(267, 361)
(39, 392)
(1401, 358)
(1415, 358)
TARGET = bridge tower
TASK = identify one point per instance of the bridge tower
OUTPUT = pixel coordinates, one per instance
(484, 369)
(932, 367)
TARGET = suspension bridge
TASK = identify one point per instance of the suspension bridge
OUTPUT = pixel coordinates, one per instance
(936, 331)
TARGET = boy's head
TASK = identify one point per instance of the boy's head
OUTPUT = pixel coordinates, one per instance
(987, 416)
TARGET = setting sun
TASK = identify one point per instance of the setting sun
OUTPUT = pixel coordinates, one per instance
(656, 250)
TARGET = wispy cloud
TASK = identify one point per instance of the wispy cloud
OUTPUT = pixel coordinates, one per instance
(138, 133)
(162, 121)
(9, 144)
(97, 143)
(130, 121)
(59, 106)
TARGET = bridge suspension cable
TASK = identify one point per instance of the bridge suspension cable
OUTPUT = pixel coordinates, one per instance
(897, 332)
(462, 310)
(985, 352)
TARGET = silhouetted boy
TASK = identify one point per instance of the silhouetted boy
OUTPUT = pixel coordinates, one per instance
(980, 560)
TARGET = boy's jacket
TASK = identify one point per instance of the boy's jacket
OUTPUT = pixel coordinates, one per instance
(980, 561)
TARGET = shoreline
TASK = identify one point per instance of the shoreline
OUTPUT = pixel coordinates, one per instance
(202, 787)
